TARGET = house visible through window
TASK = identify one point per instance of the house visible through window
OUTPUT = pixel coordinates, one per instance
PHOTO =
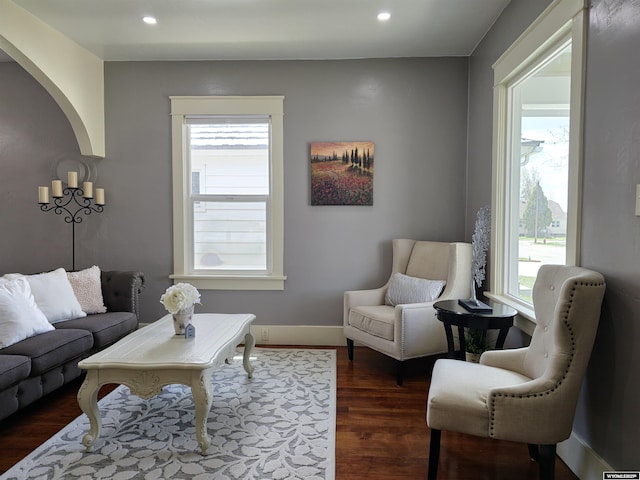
(537, 153)
(230, 232)
(230, 206)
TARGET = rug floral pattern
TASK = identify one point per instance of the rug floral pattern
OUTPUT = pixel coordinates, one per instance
(280, 424)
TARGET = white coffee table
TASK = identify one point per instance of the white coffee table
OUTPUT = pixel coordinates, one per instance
(154, 356)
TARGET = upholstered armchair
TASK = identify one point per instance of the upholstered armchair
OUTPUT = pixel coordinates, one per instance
(387, 320)
(527, 394)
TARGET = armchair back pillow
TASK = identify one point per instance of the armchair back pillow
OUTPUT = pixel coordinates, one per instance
(406, 289)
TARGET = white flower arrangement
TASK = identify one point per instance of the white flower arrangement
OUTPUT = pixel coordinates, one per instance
(179, 297)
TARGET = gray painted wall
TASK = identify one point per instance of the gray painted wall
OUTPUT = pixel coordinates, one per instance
(413, 109)
(34, 133)
(608, 418)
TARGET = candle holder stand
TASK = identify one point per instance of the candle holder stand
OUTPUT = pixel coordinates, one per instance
(73, 204)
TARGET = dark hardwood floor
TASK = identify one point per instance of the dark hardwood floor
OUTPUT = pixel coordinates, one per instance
(381, 431)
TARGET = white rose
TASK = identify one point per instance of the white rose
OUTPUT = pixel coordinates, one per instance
(179, 297)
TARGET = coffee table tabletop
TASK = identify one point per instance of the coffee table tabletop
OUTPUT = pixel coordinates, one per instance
(154, 356)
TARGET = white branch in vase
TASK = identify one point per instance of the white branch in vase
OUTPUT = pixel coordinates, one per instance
(480, 244)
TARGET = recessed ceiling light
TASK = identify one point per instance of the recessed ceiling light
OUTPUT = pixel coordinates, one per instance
(384, 16)
(149, 20)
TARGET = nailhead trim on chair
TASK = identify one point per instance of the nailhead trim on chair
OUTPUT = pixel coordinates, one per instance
(566, 371)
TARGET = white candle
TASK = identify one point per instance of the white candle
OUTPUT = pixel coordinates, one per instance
(99, 196)
(88, 189)
(43, 194)
(56, 188)
(72, 179)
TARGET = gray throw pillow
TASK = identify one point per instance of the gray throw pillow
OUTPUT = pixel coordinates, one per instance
(405, 289)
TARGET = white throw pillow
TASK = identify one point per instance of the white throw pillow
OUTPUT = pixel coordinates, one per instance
(54, 295)
(20, 317)
(405, 289)
(87, 287)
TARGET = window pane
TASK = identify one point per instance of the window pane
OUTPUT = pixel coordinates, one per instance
(540, 171)
(230, 235)
(231, 155)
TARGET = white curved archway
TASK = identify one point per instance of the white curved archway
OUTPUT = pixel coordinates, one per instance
(73, 76)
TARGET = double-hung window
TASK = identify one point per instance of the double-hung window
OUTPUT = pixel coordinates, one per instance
(227, 192)
(538, 91)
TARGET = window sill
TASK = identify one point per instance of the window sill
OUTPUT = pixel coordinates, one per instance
(526, 318)
(232, 282)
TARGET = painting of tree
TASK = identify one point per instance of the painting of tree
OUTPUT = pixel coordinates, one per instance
(342, 173)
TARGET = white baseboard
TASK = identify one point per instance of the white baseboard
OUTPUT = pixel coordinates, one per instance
(585, 463)
(299, 335)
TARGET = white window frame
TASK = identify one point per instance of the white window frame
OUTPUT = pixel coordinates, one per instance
(181, 108)
(563, 18)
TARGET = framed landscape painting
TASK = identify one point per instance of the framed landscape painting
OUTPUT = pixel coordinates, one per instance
(342, 173)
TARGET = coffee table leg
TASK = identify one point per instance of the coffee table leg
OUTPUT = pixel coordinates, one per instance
(202, 392)
(249, 342)
(88, 402)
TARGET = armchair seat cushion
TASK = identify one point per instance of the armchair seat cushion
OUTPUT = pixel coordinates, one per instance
(377, 320)
(458, 397)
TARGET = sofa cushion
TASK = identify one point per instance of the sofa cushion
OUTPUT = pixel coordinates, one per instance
(51, 349)
(87, 286)
(376, 320)
(20, 317)
(106, 328)
(13, 368)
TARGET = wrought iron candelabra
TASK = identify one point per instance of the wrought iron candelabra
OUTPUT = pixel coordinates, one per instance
(73, 202)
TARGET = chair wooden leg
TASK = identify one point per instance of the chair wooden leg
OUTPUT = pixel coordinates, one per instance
(534, 454)
(399, 372)
(350, 349)
(434, 454)
(547, 462)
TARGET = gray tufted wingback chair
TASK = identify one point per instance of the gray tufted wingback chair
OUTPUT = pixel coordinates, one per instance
(528, 394)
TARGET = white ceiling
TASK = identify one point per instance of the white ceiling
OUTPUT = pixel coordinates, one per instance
(270, 29)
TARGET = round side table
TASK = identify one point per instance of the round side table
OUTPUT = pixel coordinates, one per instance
(451, 313)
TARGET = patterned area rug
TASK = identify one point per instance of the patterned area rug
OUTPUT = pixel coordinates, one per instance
(278, 425)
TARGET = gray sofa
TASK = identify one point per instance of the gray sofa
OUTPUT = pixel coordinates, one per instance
(36, 366)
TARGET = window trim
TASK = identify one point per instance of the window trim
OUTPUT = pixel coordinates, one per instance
(561, 19)
(183, 106)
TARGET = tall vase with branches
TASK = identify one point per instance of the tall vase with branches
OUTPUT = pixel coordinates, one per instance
(479, 247)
